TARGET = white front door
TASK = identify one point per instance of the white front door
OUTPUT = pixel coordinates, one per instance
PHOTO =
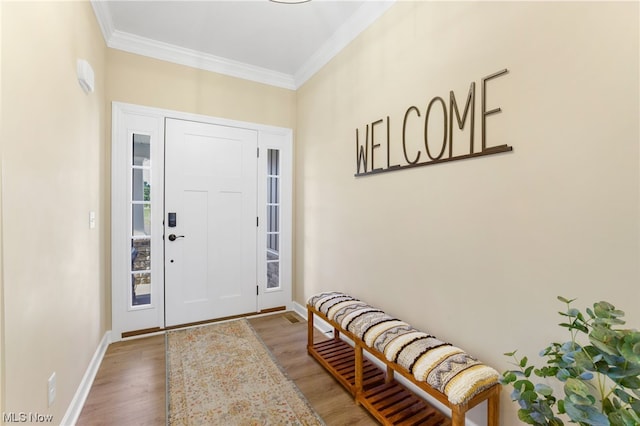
(223, 258)
(210, 227)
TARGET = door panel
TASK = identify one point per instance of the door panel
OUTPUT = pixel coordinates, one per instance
(195, 251)
(210, 183)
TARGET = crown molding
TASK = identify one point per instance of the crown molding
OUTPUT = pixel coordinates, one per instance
(364, 16)
(103, 16)
(192, 58)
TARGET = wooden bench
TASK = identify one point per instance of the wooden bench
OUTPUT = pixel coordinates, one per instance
(457, 380)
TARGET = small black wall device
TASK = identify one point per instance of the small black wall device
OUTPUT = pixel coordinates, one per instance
(172, 220)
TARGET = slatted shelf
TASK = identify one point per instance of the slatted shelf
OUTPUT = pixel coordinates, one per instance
(338, 357)
(391, 403)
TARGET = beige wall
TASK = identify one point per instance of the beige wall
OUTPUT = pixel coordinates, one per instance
(476, 251)
(144, 81)
(53, 138)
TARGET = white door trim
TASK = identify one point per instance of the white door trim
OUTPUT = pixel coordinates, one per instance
(127, 120)
(120, 222)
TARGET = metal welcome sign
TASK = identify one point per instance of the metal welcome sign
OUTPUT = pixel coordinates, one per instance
(368, 151)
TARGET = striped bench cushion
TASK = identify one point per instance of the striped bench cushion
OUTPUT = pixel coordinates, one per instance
(443, 366)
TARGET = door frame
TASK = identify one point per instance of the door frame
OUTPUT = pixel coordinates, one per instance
(151, 318)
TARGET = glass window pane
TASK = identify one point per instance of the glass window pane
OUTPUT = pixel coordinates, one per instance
(141, 254)
(273, 219)
(140, 288)
(141, 219)
(141, 185)
(273, 159)
(141, 150)
(273, 274)
(273, 246)
(273, 190)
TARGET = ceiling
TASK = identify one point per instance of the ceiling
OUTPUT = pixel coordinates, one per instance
(260, 40)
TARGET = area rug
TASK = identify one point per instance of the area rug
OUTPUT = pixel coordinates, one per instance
(222, 374)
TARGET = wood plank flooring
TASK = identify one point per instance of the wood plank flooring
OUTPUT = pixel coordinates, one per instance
(129, 388)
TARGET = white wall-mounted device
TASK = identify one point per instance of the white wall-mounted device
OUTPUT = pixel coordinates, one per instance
(86, 77)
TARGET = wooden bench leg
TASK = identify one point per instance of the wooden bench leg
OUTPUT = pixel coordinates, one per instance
(389, 377)
(458, 415)
(493, 408)
(309, 329)
(358, 371)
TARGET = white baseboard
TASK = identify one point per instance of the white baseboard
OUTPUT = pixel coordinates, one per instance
(318, 323)
(299, 309)
(77, 403)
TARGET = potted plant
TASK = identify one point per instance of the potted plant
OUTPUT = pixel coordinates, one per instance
(598, 369)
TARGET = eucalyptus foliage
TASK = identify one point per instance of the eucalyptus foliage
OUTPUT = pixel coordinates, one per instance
(601, 380)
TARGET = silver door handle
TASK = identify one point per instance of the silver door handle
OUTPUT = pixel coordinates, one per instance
(173, 237)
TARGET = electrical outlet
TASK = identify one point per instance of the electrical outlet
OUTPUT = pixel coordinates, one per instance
(51, 388)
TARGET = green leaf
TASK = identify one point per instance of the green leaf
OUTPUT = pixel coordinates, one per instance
(510, 353)
(523, 385)
(586, 415)
(543, 389)
(631, 382)
(561, 409)
(577, 389)
(625, 370)
(608, 406)
(605, 310)
(624, 417)
(581, 399)
(563, 374)
(563, 300)
(546, 371)
(609, 322)
(527, 371)
(508, 377)
(525, 416)
(624, 396)
(523, 361)
(515, 395)
(580, 327)
(604, 339)
(629, 347)
(573, 312)
(529, 396)
(586, 376)
(583, 361)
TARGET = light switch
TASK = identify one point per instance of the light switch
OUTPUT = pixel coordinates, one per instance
(92, 220)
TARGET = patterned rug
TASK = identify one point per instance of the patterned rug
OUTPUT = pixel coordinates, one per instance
(222, 374)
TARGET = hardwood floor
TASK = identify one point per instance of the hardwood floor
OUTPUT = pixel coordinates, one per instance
(129, 388)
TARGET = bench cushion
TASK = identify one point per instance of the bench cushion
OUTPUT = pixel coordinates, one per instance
(443, 366)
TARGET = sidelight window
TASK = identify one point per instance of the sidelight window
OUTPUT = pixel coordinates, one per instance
(273, 218)
(140, 270)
